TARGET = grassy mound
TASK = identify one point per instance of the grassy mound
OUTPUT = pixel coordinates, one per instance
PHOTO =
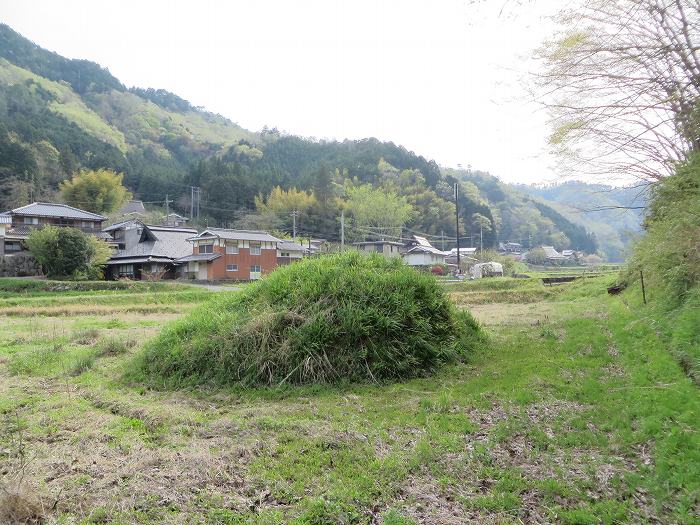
(345, 317)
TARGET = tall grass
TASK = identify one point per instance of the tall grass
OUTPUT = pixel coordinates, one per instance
(345, 317)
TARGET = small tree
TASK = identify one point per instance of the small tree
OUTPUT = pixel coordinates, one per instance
(537, 256)
(68, 252)
(98, 191)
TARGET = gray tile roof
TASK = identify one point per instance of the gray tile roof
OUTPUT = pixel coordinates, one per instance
(291, 246)
(238, 235)
(170, 243)
(119, 225)
(377, 242)
(199, 257)
(419, 248)
(132, 206)
(48, 209)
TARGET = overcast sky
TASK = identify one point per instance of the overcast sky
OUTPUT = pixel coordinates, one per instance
(442, 78)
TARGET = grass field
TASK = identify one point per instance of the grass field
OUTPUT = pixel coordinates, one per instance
(575, 413)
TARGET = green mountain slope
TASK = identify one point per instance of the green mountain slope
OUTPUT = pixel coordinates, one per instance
(613, 214)
(58, 115)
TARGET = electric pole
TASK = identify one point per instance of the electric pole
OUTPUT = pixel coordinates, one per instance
(294, 225)
(457, 222)
(167, 210)
(342, 230)
(442, 240)
(191, 202)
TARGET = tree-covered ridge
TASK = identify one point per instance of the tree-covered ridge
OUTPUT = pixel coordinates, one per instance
(58, 116)
(614, 214)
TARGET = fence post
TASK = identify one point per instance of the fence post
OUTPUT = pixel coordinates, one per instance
(644, 293)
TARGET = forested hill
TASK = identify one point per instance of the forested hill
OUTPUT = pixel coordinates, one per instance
(59, 115)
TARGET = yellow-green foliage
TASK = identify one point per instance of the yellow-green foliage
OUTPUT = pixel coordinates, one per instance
(67, 104)
(144, 122)
(97, 191)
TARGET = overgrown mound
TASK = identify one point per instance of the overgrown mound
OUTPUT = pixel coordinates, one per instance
(344, 317)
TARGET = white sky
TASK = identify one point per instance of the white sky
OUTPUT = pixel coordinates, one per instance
(441, 78)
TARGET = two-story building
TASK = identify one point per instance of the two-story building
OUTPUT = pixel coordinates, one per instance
(19, 222)
(145, 251)
(224, 254)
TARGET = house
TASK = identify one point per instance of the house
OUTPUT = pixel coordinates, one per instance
(19, 222)
(133, 209)
(425, 256)
(552, 254)
(174, 219)
(124, 234)
(385, 248)
(149, 252)
(464, 254)
(220, 254)
(510, 247)
(290, 251)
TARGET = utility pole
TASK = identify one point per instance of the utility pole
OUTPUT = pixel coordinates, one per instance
(457, 222)
(167, 210)
(191, 202)
(294, 225)
(342, 230)
(481, 238)
(442, 240)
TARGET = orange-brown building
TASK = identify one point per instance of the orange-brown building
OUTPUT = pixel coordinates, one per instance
(221, 254)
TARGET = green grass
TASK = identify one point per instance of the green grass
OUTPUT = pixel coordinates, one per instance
(578, 412)
(340, 318)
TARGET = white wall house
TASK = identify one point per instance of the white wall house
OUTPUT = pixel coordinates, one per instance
(424, 256)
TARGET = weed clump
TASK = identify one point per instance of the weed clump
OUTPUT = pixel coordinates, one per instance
(345, 317)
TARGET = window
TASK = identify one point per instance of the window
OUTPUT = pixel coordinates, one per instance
(11, 246)
(254, 248)
(231, 246)
(231, 267)
(206, 248)
(255, 268)
(31, 220)
(284, 254)
(379, 248)
(124, 269)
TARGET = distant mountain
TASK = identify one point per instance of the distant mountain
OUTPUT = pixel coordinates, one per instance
(613, 214)
(58, 115)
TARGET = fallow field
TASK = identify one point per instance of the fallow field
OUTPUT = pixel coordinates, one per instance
(574, 413)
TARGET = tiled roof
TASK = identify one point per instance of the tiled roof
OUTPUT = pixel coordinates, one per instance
(132, 207)
(119, 225)
(237, 235)
(19, 231)
(48, 209)
(426, 249)
(422, 241)
(291, 246)
(170, 243)
(199, 257)
(551, 253)
(378, 242)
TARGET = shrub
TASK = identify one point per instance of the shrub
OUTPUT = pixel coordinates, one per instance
(68, 252)
(114, 346)
(343, 317)
(86, 337)
(537, 256)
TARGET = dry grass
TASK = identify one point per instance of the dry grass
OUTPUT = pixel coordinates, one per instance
(20, 507)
